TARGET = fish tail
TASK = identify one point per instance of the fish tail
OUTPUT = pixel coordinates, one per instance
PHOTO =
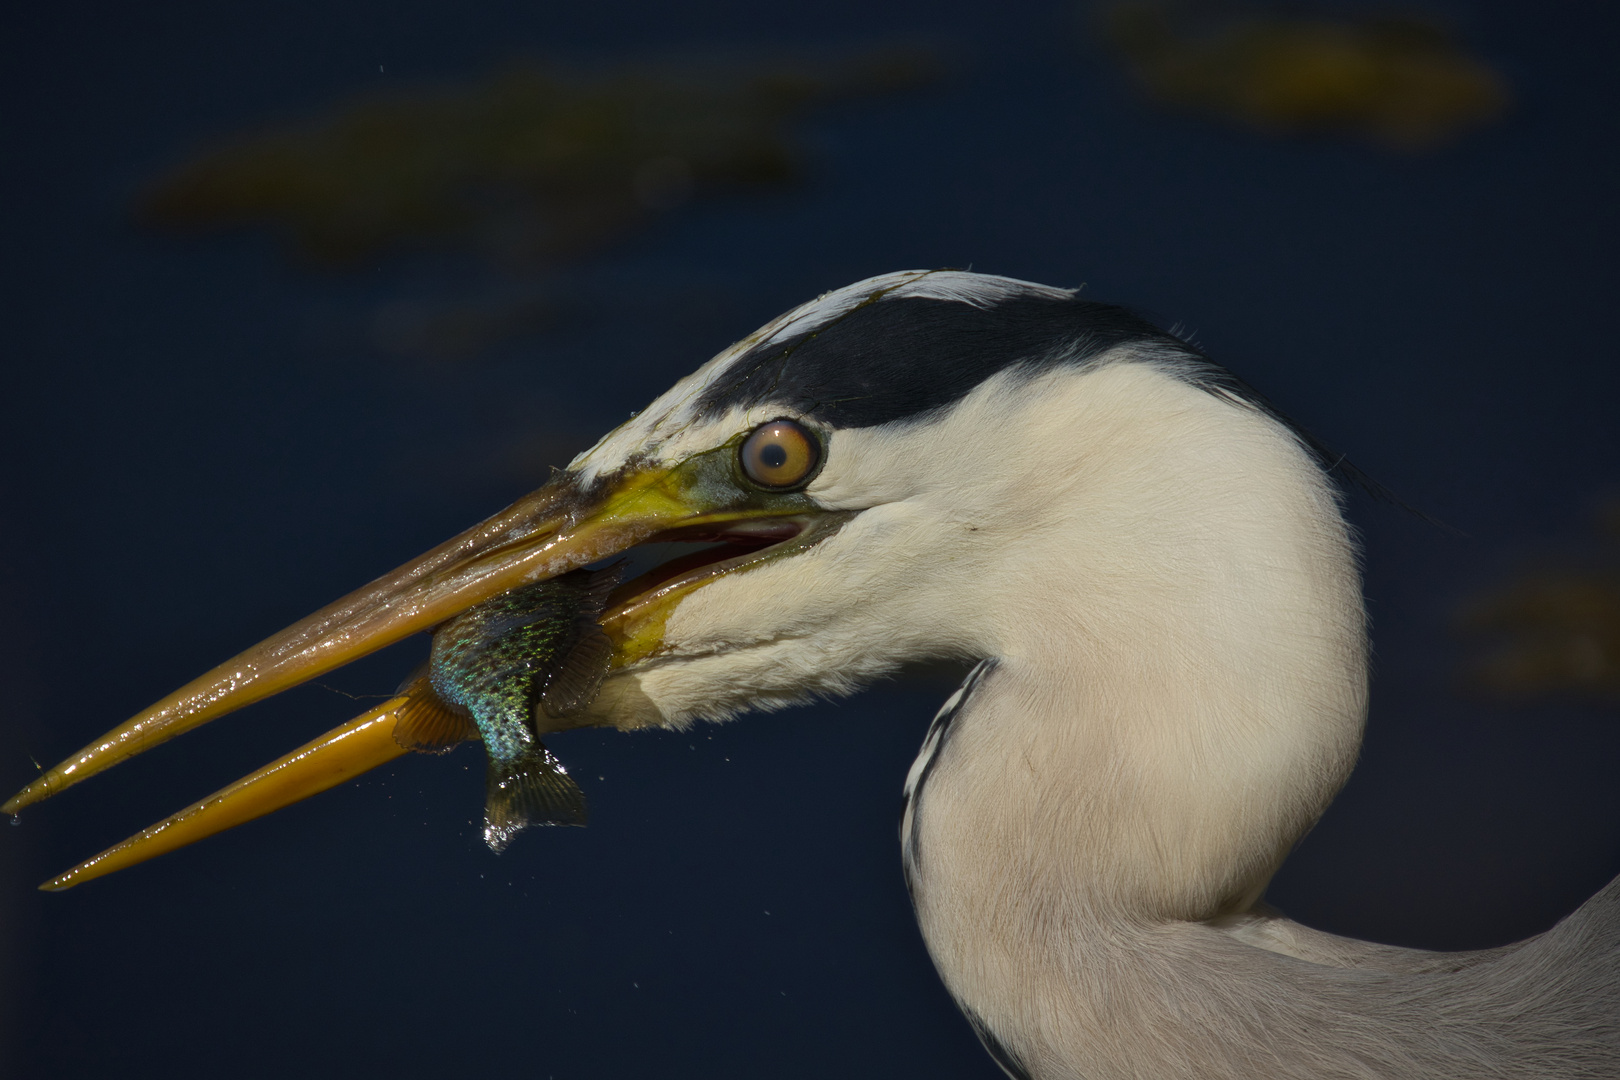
(534, 789)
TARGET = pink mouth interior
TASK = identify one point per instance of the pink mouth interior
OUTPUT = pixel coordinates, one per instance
(674, 546)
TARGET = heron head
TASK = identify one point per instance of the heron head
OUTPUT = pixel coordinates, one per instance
(892, 472)
(867, 468)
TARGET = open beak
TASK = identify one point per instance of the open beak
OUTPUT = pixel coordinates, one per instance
(562, 526)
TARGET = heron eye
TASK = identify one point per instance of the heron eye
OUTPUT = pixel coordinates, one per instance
(780, 454)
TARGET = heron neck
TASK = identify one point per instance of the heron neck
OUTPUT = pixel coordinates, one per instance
(1174, 695)
(1178, 685)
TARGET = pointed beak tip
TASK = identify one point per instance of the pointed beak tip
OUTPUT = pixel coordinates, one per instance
(27, 796)
(343, 753)
(40, 788)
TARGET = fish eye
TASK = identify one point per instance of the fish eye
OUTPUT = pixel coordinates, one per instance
(780, 454)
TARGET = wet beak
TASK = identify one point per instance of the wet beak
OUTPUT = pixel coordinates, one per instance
(562, 526)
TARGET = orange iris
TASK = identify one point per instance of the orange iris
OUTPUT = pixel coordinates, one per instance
(780, 454)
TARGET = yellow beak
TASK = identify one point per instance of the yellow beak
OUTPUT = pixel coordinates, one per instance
(564, 525)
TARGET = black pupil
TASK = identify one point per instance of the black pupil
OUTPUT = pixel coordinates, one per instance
(773, 455)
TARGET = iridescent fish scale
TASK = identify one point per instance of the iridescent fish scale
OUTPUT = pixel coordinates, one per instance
(495, 659)
(534, 651)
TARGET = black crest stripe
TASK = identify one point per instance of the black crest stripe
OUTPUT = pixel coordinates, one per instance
(895, 356)
(899, 356)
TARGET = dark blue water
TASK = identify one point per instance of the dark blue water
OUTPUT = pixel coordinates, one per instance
(200, 445)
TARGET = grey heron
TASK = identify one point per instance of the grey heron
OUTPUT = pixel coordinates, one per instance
(1150, 570)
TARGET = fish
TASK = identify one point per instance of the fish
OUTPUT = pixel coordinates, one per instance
(501, 671)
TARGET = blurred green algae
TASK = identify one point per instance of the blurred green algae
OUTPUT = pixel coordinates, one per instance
(1552, 630)
(538, 164)
(1397, 79)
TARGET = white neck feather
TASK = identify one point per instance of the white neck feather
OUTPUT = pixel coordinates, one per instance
(1178, 689)
(1180, 679)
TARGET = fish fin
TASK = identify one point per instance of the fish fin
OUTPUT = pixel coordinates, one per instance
(595, 590)
(579, 675)
(407, 686)
(427, 725)
(533, 790)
